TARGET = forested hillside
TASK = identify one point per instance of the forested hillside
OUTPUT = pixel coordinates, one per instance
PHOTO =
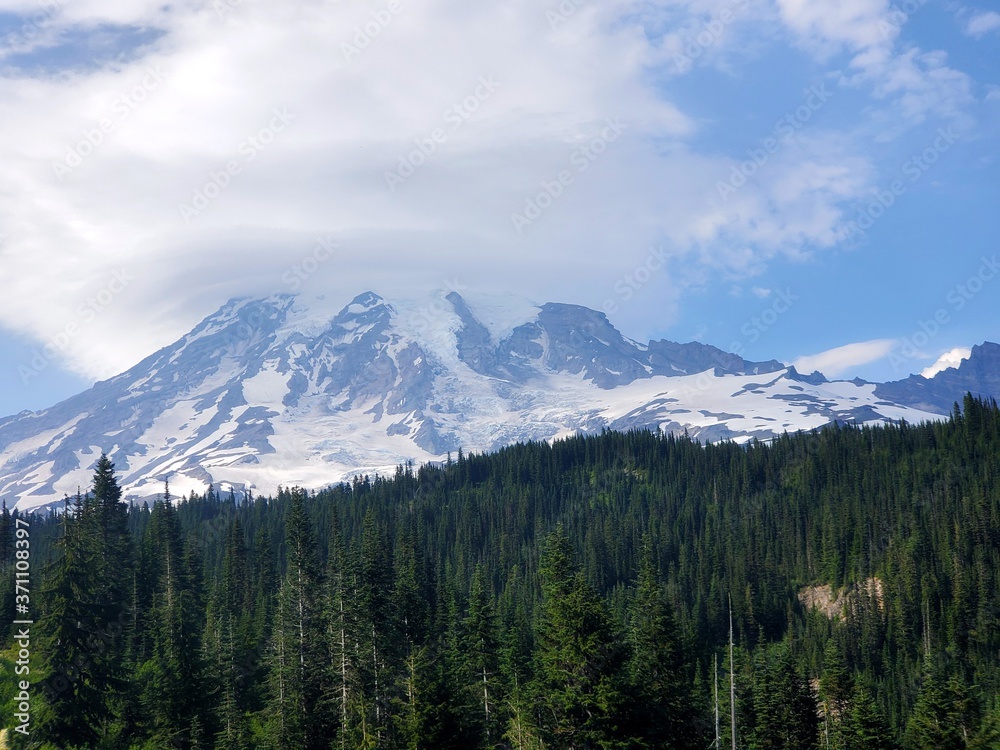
(567, 595)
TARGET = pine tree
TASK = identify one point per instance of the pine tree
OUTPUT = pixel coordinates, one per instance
(342, 639)
(89, 593)
(836, 681)
(660, 687)
(299, 673)
(172, 679)
(580, 670)
(377, 629)
(231, 642)
(516, 649)
(865, 727)
(433, 706)
(73, 689)
(941, 719)
(265, 584)
(784, 707)
(988, 736)
(481, 669)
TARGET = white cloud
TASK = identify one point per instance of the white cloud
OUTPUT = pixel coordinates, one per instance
(793, 205)
(221, 76)
(826, 27)
(919, 84)
(983, 23)
(836, 362)
(218, 80)
(947, 360)
(914, 82)
(692, 34)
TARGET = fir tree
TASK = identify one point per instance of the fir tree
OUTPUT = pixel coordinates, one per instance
(580, 672)
(299, 672)
(481, 669)
(660, 688)
(73, 690)
(230, 638)
(784, 710)
(172, 679)
(865, 727)
(941, 719)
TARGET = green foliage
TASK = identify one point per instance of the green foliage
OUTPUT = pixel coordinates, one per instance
(84, 693)
(783, 708)
(864, 725)
(299, 677)
(580, 673)
(659, 677)
(944, 716)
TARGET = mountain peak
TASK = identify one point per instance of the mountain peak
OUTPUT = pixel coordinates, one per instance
(285, 391)
(367, 300)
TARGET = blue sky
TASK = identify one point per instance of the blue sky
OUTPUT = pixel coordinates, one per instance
(792, 179)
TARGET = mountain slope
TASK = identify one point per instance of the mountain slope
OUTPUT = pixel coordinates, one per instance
(275, 391)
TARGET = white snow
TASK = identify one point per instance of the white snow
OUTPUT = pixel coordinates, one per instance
(268, 387)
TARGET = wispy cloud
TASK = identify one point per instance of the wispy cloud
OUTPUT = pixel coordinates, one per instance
(947, 360)
(982, 23)
(825, 28)
(840, 360)
(917, 83)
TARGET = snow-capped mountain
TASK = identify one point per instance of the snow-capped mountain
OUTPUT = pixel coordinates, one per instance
(280, 391)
